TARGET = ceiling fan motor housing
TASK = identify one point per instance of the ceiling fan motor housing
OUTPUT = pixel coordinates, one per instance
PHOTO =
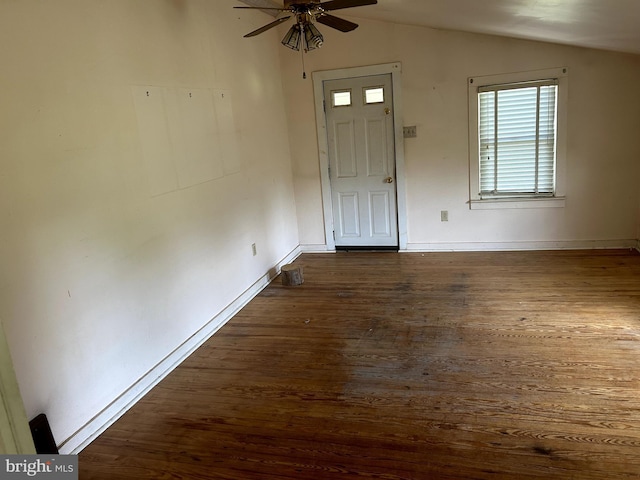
(289, 3)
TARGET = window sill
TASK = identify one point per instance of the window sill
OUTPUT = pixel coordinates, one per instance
(502, 203)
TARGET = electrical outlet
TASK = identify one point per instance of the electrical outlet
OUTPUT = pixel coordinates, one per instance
(254, 250)
(444, 215)
(410, 132)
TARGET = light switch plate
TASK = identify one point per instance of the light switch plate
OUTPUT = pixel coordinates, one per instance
(410, 132)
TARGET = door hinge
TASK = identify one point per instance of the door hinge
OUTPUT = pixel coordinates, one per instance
(324, 106)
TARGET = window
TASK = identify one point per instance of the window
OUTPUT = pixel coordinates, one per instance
(373, 95)
(517, 154)
(517, 139)
(341, 98)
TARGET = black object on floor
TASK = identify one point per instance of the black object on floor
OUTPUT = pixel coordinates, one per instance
(42, 435)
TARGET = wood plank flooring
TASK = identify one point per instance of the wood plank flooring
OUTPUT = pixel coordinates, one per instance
(405, 366)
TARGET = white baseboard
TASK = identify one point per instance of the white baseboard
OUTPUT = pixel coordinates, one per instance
(315, 248)
(104, 419)
(521, 246)
(499, 246)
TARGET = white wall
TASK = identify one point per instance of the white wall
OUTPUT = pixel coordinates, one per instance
(603, 146)
(113, 256)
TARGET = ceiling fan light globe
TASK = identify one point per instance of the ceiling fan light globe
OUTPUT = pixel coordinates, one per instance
(312, 36)
(292, 38)
(314, 43)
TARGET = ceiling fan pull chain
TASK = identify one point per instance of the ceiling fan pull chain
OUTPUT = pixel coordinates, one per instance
(304, 72)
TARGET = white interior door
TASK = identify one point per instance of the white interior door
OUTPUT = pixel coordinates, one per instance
(360, 134)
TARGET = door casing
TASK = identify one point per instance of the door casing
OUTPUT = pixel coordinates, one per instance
(15, 435)
(395, 69)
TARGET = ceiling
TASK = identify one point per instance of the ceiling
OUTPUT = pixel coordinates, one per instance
(603, 24)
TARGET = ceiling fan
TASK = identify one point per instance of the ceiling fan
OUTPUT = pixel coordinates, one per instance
(305, 12)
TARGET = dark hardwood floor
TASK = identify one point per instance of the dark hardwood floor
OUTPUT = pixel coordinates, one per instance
(405, 366)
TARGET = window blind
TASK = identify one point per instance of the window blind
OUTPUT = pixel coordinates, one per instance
(517, 137)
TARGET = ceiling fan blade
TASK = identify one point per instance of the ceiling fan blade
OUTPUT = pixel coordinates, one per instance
(265, 8)
(337, 23)
(266, 27)
(339, 4)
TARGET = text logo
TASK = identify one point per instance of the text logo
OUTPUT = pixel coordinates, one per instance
(50, 467)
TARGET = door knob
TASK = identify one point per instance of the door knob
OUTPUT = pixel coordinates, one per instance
(388, 180)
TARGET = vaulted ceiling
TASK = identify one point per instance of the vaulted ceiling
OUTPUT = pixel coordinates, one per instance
(603, 24)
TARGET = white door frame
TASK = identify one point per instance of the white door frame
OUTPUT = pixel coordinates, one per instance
(15, 434)
(395, 69)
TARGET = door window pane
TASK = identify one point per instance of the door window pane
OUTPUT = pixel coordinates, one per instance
(374, 95)
(341, 98)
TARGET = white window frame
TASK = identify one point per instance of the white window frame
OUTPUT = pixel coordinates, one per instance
(476, 202)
